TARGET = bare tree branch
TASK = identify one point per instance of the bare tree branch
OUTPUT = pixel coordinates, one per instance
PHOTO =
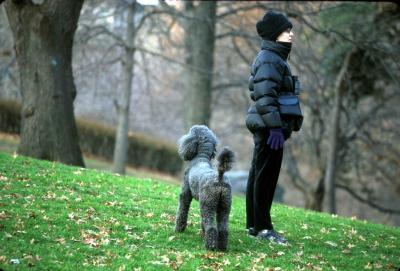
(239, 52)
(366, 201)
(293, 169)
(235, 11)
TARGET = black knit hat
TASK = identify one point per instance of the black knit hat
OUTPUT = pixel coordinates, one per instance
(272, 25)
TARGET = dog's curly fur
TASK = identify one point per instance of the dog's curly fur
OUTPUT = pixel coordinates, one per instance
(207, 185)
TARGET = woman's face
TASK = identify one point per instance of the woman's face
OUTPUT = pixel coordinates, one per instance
(286, 36)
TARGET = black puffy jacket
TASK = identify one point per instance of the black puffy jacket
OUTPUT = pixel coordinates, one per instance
(270, 77)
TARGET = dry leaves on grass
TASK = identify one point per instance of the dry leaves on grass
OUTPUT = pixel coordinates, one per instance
(3, 178)
(60, 240)
(332, 244)
(4, 215)
(95, 239)
(172, 261)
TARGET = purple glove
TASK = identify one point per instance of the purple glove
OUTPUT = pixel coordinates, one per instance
(276, 139)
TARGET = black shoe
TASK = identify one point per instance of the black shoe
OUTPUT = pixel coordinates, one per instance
(272, 236)
(252, 232)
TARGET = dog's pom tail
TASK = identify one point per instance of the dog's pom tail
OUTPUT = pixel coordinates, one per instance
(226, 158)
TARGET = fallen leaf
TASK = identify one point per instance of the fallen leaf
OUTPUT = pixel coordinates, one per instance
(136, 237)
(300, 253)
(64, 197)
(127, 228)
(60, 240)
(323, 230)
(4, 215)
(350, 245)
(260, 257)
(3, 178)
(368, 266)
(111, 203)
(333, 244)
(50, 195)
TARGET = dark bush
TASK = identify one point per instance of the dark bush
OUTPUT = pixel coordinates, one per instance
(10, 119)
(98, 139)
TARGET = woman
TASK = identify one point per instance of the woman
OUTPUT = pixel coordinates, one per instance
(270, 78)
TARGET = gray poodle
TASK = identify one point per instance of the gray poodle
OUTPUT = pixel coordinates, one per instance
(207, 185)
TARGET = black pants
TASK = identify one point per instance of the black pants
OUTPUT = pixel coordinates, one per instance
(261, 184)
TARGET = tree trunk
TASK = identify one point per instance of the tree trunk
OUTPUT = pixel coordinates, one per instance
(199, 57)
(335, 130)
(43, 33)
(122, 143)
(314, 201)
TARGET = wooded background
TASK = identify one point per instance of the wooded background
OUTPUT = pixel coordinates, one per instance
(158, 69)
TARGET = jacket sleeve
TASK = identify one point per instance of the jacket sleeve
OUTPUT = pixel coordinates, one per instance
(267, 79)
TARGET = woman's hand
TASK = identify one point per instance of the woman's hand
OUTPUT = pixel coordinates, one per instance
(276, 139)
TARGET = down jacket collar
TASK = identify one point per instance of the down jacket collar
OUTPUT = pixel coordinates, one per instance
(281, 48)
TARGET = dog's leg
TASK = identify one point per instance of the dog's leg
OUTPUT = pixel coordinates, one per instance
(224, 208)
(208, 209)
(202, 229)
(185, 198)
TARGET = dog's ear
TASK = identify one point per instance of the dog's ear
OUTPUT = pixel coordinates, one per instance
(187, 147)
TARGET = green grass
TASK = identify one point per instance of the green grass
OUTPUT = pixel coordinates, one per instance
(9, 144)
(56, 217)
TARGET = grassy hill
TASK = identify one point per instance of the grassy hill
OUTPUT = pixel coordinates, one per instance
(56, 217)
(9, 144)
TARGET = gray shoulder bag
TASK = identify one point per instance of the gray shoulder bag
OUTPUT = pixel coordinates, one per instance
(289, 105)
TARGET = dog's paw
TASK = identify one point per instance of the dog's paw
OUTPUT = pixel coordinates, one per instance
(210, 239)
(221, 247)
(211, 247)
(179, 228)
(201, 233)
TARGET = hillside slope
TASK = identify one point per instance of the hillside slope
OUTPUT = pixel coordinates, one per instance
(56, 217)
